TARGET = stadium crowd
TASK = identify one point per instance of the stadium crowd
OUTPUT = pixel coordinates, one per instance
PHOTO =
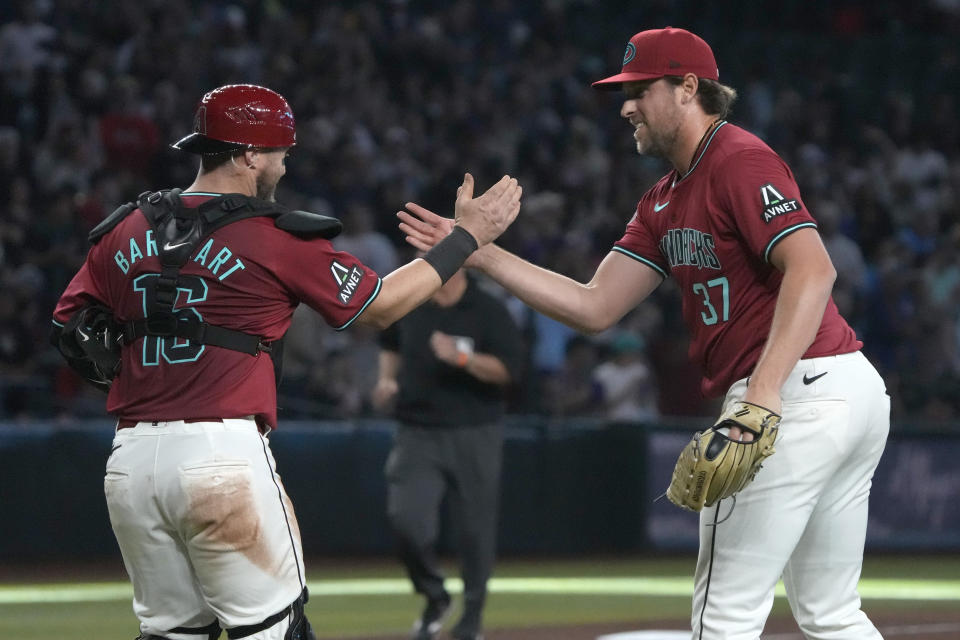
(395, 99)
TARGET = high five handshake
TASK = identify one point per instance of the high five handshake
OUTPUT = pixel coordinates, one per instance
(487, 216)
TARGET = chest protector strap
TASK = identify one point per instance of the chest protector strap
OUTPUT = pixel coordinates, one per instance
(179, 231)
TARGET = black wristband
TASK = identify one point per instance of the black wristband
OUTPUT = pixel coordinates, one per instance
(448, 255)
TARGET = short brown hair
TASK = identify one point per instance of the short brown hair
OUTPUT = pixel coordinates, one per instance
(211, 161)
(715, 98)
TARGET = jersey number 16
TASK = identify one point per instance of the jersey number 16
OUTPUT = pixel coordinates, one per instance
(192, 290)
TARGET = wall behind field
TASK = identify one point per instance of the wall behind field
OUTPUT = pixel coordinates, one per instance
(569, 487)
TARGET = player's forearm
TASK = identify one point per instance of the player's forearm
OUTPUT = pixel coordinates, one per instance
(388, 365)
(803, 297)
(550, 293)
(402, 291)
(487, 368)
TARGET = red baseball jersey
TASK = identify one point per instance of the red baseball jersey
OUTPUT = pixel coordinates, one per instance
(248, 276)
(713, 229)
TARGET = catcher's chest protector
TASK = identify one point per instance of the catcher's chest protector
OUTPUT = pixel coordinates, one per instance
(179, 231)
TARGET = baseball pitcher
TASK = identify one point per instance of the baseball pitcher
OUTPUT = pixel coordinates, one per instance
(800, 400)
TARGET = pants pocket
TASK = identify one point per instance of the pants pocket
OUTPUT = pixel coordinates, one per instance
(222, 511)
(116, 486)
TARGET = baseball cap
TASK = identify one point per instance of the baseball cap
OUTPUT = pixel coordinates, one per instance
(663, 52)
(239, 116)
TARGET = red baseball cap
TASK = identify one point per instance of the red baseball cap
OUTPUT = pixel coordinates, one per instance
(663, 52)
(239, 116)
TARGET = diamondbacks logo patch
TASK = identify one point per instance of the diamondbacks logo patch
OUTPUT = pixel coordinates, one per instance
(348, 278)
(774, 204)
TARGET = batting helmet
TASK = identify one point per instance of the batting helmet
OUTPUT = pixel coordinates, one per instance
(240, 116)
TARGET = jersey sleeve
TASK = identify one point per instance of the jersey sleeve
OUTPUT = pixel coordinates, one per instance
(333, 283)
(640, 244)
(758, 190)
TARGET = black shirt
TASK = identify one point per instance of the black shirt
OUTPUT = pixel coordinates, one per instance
(434, 393)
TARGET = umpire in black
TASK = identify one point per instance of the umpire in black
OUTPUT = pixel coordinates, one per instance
(446, 366)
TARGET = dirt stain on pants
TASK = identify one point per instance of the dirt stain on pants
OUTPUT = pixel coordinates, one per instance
(224, 514)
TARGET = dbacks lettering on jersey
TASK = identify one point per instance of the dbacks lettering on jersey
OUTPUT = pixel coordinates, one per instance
(689, 247)
(775, 204)
(348, 278)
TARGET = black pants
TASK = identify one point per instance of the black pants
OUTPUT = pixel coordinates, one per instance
(463, 464)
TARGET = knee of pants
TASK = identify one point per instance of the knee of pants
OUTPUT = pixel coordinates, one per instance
(413, 529)
(289, 624)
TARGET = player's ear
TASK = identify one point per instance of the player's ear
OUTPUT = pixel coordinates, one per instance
(688, 88)
(250, 157)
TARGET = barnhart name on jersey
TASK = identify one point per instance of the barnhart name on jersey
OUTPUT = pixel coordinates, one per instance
(125, 260)
(689, 247)
(774, 203)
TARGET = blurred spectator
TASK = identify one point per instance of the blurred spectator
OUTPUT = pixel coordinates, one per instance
(16, 340)
(572, 390)
(627, 389)
(128, 136)
(847, 258)
(26, 43)
(401, 98)
(305, 351)
(551, 346)
(361, 239)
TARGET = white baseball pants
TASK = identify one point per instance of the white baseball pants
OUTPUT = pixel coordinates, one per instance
(204, 524)
(804, 517)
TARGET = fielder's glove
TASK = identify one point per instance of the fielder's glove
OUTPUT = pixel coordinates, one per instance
(712, 466)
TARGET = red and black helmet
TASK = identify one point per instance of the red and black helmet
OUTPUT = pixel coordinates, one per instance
(240, 116)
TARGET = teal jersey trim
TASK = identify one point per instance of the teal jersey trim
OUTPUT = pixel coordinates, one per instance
(649, 263)
(700, 157)
(366, 304)
(57, 323)
(783, 234)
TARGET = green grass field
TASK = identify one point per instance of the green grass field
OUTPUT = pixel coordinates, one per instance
(373, 598)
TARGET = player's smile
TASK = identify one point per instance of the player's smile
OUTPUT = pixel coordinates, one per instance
(642, 136)
(637, 126)
(635, 94)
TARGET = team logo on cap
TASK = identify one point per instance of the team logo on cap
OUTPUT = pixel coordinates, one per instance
(629, 53)
(245, 113)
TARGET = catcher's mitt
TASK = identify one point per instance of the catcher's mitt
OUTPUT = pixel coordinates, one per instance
(91, 342)
(712, 466)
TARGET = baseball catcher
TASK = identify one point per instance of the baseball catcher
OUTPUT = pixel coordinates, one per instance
(714, 466)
